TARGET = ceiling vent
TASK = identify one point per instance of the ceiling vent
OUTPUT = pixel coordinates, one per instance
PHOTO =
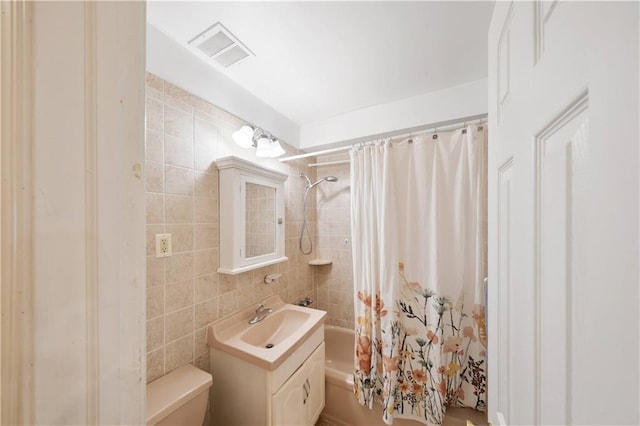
(220, 45)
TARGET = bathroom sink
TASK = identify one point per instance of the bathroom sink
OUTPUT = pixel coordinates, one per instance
(267, 343)
(275, 329)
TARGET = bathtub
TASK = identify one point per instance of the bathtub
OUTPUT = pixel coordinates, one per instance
(342, 408)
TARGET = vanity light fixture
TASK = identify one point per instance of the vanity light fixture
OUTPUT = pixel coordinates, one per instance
(266, 145)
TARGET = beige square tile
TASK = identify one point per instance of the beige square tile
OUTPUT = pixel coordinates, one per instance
(179, 267)
(206, 184)
(206, 313)
(155, 271)
(178, 123)
(335, 296)
(170, 101)
(152, 230)
(154, 82)
(155, 364)
(226, 283)
(154, 146)
(260, 292)
(205, 145)
(178, 209)
(154, 94)
(178, 180)
(155, 333)
(206, 287)
(179, 94)
(179, 353)
(244, 298)
(201, 342)
(155, 208)
(227, 303)
(155, 301)
(181, 237)
(205, 210)
(206, 261)
(154, 176)
(284, 295)
(178, 152)
(179, 295)
(154, 115)
(206, 236)
(202, 362)
(204, 109)
(178, 324)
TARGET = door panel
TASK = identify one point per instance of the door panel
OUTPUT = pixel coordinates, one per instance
(563, 213)
(558, 171)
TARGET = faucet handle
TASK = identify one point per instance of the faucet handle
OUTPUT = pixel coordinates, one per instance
(260, 306)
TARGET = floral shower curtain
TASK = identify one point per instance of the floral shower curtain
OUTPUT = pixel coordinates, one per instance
(419, 244)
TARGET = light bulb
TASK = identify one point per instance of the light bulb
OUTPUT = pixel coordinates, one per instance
(276, 149)
(263, 149)
(244, 136)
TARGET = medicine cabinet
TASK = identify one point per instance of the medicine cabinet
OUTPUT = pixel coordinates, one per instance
(251, 215)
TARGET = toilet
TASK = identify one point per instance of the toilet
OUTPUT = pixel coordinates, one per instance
(179, 398)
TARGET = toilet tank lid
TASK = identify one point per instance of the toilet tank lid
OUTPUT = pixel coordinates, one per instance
(173, 390)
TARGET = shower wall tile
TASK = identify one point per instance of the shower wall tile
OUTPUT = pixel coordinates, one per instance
(184, 292)
(333, 225)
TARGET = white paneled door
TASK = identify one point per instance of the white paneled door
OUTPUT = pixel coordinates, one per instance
(564, 217)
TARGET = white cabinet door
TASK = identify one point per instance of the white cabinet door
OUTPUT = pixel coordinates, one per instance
(288, 403)
(563, 213)
(315, 376)
(299, 401)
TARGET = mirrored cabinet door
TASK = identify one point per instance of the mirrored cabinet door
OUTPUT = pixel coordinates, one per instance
(251, 216)
(260, 219)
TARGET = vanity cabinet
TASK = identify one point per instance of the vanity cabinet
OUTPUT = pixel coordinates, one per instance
(251, 215)
(301, 399)
(292, 394)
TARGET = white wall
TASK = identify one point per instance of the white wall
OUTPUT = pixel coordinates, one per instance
(172, 62)
(441, 106)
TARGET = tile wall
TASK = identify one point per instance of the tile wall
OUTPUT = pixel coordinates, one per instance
(335, 281)
(184, 292)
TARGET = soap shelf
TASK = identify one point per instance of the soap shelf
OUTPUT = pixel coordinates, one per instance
(320, 262)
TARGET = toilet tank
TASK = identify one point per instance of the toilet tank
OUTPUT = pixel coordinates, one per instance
(179, 398)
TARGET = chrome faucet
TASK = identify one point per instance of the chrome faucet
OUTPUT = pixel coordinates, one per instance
(261, 313)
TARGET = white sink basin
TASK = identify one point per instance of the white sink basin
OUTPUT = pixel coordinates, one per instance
(275, 329)
(269, 342)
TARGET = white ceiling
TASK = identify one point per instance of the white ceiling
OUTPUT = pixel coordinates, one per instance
(315, 60)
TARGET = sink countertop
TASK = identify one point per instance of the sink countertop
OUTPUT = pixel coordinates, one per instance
(226, 334)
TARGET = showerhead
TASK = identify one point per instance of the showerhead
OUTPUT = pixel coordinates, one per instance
(311, 185)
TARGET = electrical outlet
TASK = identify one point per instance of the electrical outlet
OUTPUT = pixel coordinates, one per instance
(163, 245)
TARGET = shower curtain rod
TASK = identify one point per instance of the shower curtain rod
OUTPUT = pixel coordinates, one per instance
(447, 128)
